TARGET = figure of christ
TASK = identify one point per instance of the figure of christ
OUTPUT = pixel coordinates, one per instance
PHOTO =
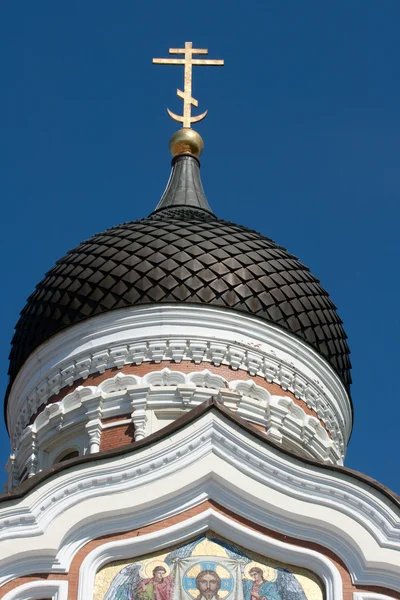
(208, 583)
(158, 587)
(259, 589)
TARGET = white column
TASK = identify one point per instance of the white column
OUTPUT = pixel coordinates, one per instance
(12, 479)
(139, 405)
(33, 459)
(93, 426)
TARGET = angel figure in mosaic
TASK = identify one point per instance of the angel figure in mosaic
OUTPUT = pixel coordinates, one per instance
(150, 580)
(125, 583)
(265, 583)
(157, 587)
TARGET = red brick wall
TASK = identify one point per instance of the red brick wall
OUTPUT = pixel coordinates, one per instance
(117, 436)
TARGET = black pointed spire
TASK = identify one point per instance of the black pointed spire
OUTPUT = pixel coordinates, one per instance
(184, 188)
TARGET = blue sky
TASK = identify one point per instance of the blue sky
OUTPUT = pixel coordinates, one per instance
(302, 142)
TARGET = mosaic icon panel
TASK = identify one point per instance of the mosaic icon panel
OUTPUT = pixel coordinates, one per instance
(207, 568)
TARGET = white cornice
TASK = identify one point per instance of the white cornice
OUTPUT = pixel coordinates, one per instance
(180, 332)
(210, 458)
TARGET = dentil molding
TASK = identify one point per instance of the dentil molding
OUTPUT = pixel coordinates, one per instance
(176, 332)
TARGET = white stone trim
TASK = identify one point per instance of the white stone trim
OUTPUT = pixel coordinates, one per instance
(210, 458)
(370, 596)
(60, 424)
(54, 589)
(180, 332)
(116, 423)
(220, 525)
(61, 435)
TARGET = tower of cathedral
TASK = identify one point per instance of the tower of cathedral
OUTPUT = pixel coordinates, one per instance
(179, 410)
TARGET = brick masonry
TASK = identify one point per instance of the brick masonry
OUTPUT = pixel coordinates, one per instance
(117, 436)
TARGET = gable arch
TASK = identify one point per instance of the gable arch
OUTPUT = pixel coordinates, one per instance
(209, 520)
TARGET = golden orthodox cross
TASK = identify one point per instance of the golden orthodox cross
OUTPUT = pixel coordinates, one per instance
(188, 61)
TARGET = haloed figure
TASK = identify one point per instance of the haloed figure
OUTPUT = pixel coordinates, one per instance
(208, 583)
(159, 587)
(259, 589)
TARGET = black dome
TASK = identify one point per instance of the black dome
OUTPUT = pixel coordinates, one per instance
(183, 253)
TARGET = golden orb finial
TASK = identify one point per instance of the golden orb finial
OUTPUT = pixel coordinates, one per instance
(186, 140)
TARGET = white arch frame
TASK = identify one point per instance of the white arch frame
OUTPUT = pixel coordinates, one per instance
(54, 589)
(221, 525)
(232, 467)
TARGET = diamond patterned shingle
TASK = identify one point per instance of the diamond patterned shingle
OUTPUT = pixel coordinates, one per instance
(183, 255)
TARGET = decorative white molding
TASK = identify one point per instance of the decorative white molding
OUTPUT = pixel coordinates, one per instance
(56, 590)
(221, 525)
(210, 458)
(33, 458)
(139, 399)
(173, 391)
(12, 473)
(177, 332)
(370, 596)
(93, 414)
(61, 434)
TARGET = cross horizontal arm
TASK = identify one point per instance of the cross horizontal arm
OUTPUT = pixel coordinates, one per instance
(206, 63)
(192, 50)
(188, 62)
(168, 61)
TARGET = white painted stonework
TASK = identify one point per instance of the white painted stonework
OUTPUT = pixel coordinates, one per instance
(177, 332)
(211, 457)
(154, 401)
(56, 590)
(370, 596)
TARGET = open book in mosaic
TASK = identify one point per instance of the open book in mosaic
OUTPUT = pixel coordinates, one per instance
(207, 568)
